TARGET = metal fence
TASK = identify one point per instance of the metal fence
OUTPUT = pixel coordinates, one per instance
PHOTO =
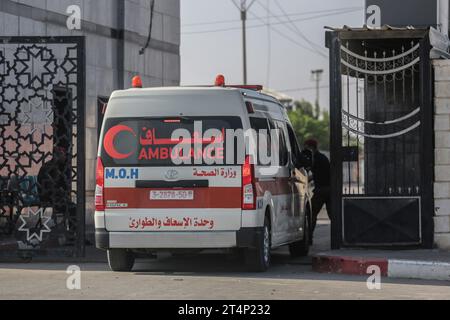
(42, 95)
(381, 116)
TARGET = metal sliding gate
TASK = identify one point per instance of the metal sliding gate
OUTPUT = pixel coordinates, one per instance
(382, 145)
(42, 206)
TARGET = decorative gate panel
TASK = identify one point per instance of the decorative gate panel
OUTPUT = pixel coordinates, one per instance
(382, 146)
(42, 146)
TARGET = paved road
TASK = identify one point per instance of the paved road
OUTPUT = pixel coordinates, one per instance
(208, 276)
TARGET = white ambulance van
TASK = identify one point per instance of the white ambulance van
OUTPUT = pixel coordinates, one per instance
(151, 197)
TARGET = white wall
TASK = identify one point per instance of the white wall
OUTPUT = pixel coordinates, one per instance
(442, 153)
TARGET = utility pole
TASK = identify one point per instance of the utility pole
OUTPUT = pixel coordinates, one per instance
(243, 8)
(317, 77)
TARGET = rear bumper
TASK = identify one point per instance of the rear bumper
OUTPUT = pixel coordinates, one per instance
(244, 238)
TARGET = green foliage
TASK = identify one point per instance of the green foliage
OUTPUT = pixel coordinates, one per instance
(307, 126)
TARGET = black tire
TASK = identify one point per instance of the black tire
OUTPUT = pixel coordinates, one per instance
(120, 260)
(258, 259)
(301, 248)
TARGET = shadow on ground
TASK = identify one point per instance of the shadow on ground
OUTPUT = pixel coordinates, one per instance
(220, 265)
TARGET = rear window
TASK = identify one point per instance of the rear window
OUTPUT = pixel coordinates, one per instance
(148, 141)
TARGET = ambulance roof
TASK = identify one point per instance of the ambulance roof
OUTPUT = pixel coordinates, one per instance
(142, 92)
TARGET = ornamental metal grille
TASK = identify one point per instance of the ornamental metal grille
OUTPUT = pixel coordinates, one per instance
(381, 138)
(381, 120)
(42, 146)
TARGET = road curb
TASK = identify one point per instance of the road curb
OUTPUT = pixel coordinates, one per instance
(391, 268)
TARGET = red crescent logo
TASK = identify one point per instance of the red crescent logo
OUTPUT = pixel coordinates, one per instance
(108, 142)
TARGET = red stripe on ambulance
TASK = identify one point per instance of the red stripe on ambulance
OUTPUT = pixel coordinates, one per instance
(213, 197)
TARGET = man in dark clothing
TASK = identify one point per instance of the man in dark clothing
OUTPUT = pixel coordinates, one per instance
(52, 183)
(54, 186)
(321, 175)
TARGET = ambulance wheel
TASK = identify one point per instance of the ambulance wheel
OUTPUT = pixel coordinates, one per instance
(301, 248)
(258, 259)
(120, 260)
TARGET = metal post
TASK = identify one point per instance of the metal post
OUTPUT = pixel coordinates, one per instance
(334, 45)
(243, 8)
(80, 250)
(121, 44)
(427, 168)
(244, 41)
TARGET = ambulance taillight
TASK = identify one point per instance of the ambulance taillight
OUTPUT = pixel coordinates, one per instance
(99, 186)
(248, 185)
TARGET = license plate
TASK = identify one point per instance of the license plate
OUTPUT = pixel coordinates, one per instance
(172, 195)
